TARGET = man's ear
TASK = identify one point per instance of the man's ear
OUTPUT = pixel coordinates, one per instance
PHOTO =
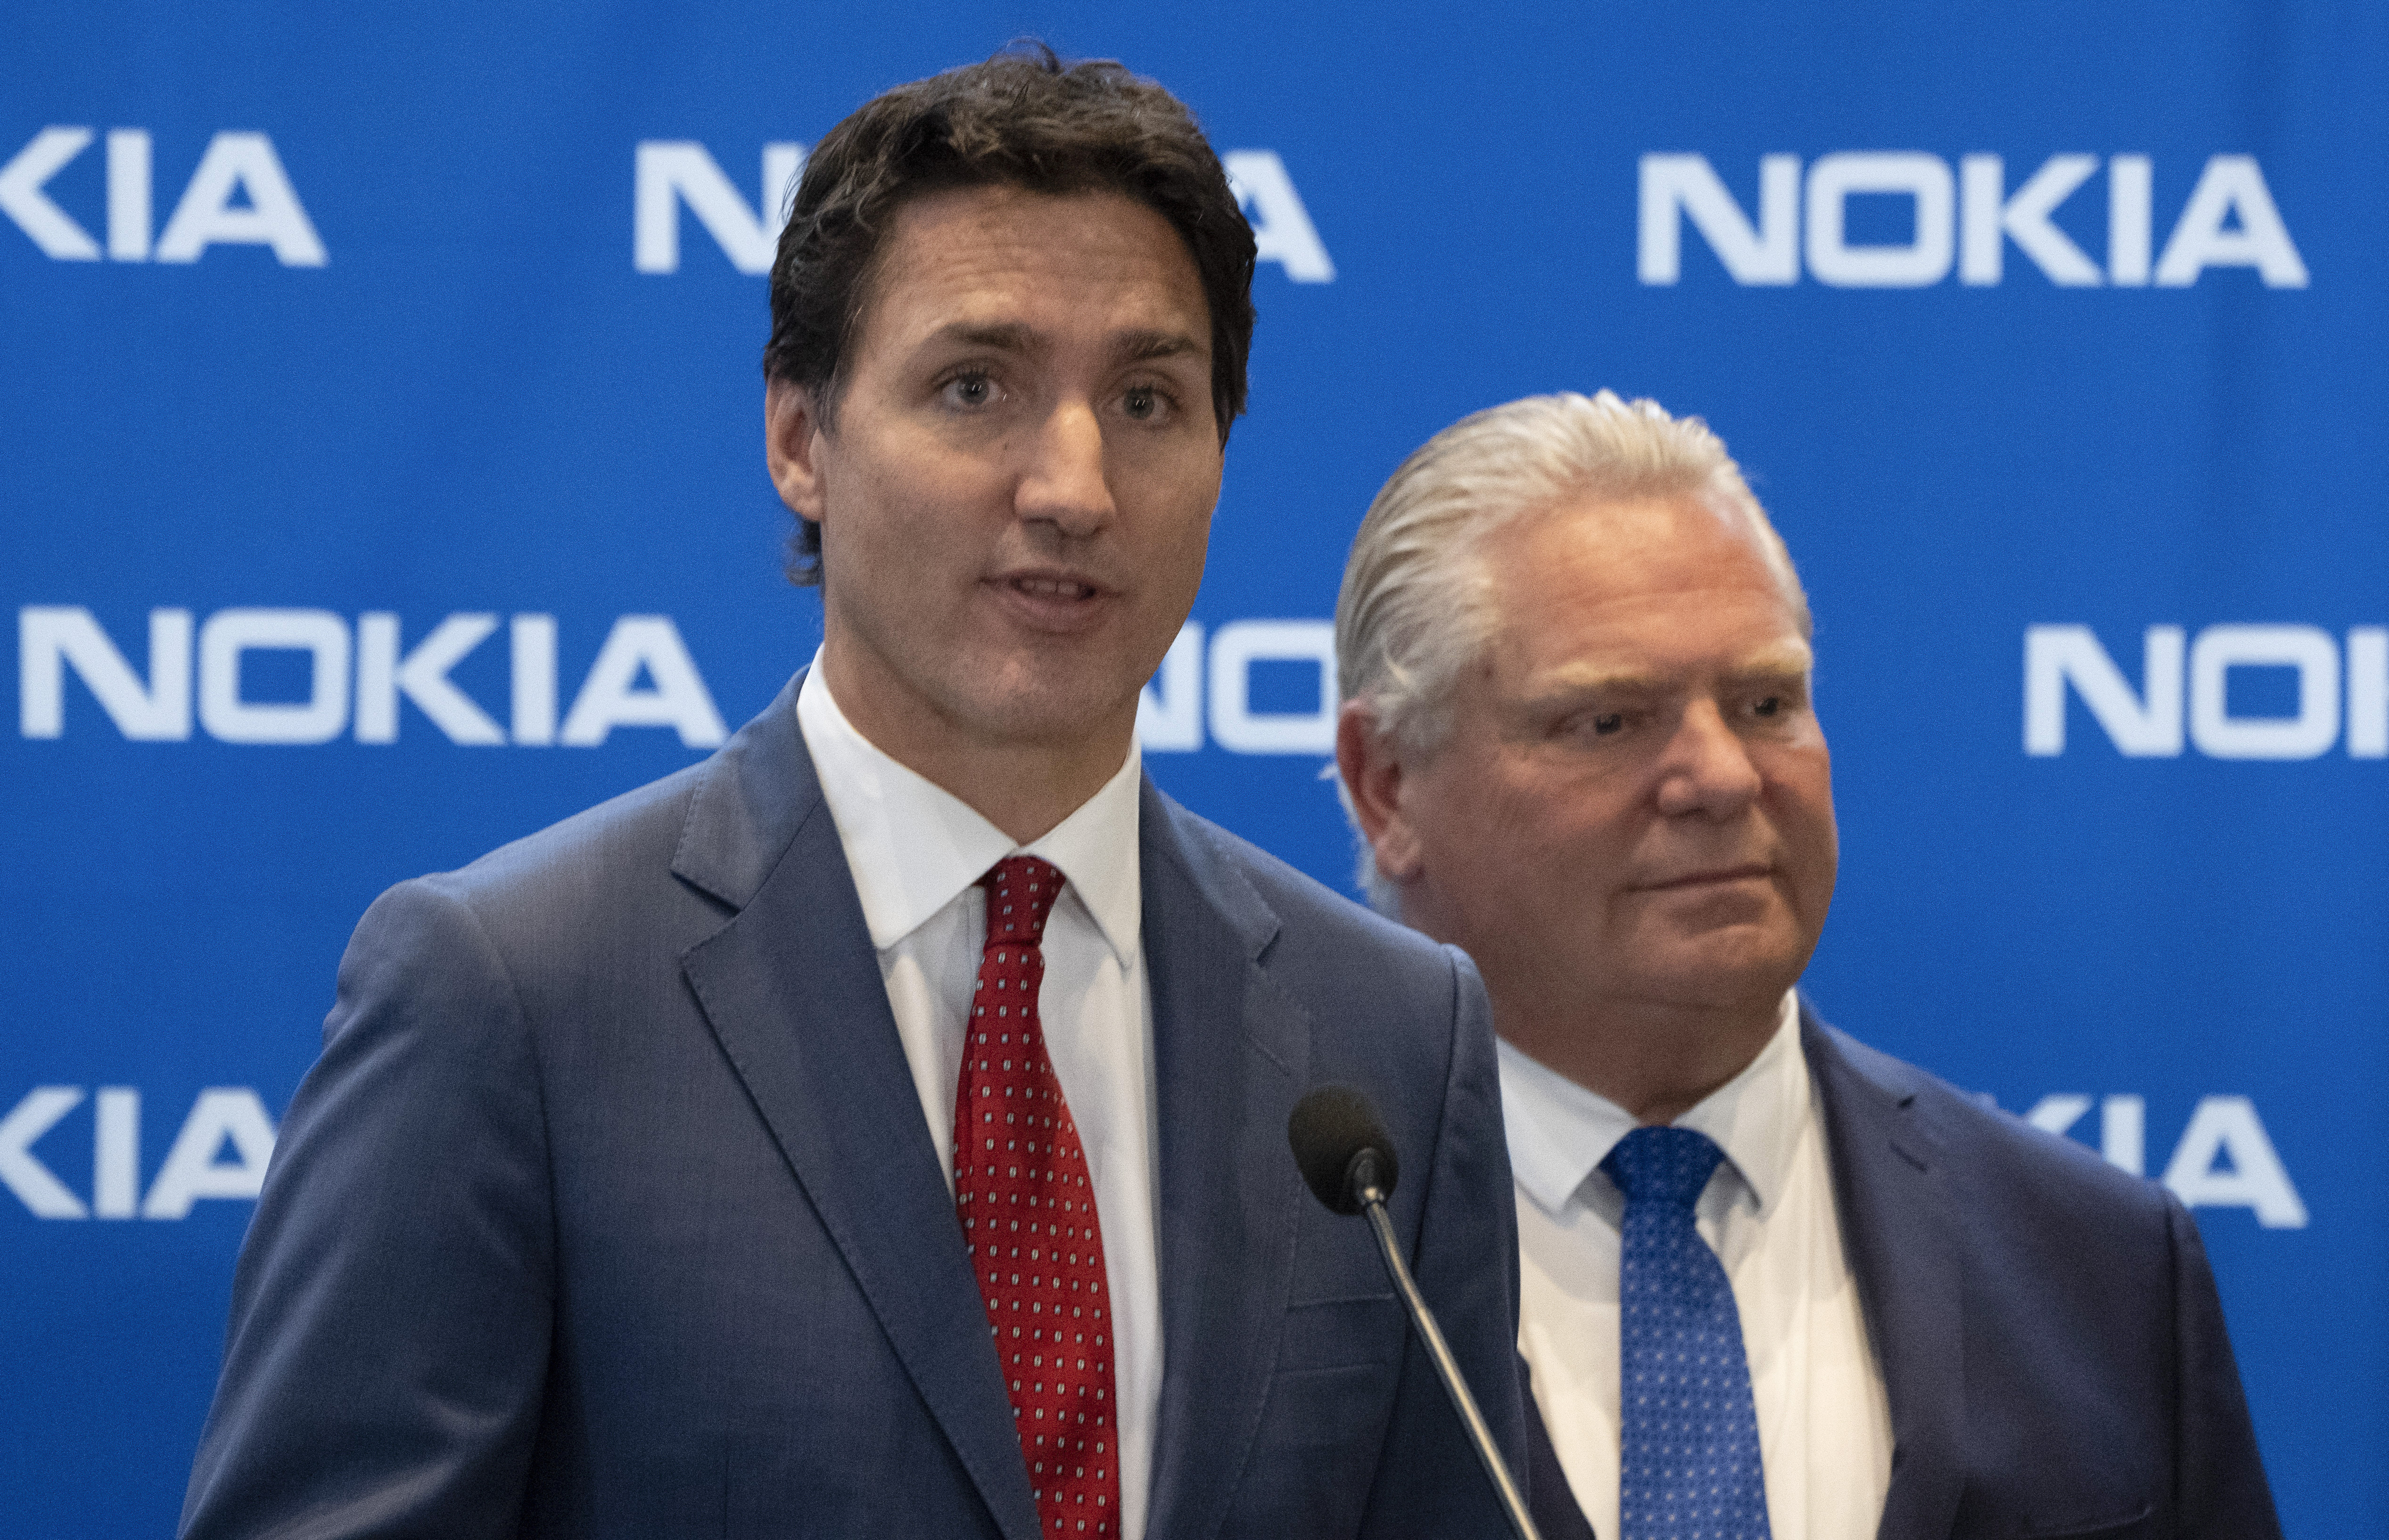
(792, 432)
(1372, 769)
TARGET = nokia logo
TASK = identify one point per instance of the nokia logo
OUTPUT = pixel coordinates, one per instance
(1263, 686)
(355, 677)
(1248, 687)
(669, 173)
(2224, 1158)
(220, 1151)
(1964, 221)
(2190, 684)
(239, 195)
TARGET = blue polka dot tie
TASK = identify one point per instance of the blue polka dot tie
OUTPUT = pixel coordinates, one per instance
(1688, 1466)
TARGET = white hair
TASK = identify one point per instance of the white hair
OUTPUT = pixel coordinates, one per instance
(1418, 607)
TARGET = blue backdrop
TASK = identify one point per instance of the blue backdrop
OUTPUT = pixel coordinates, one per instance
(383, 481)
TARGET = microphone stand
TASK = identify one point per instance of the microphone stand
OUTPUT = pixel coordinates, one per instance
(1363, 1186)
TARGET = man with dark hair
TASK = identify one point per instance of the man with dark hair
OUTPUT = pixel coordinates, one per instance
(879, 1129)
(1016, 120)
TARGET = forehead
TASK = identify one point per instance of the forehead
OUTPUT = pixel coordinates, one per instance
(1640, 585)
(1076, 263)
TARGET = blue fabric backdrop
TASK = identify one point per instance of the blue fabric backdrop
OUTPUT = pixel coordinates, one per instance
(383, 481)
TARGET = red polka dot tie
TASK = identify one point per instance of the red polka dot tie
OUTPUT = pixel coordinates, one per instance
(1029, 1216)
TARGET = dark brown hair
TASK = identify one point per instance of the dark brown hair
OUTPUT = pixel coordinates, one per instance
(1022, 119)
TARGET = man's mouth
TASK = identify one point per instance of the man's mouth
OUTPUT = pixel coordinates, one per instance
(1053, 587)
(1714, 877)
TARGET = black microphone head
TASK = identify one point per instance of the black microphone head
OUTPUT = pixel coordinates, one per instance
(1330, 1128)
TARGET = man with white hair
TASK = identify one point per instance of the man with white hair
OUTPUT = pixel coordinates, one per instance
(1775, 1283)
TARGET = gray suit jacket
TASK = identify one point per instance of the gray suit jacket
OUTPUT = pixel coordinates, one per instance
(609, 1209)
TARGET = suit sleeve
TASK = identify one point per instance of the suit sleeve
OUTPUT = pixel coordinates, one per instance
(2220, 1486)
(1466, 1263)
(1549, 1500)
(387, 1347)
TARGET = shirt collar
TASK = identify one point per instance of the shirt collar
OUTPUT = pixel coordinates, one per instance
(913, 845)
(1559, 1132)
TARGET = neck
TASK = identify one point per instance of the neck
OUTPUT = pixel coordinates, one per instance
(1024, 786)
(1657, 1059)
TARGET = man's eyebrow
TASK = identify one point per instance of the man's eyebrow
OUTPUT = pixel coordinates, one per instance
(1584, 679)
(1571, 681)
(1003, 337)
(1011, 336)
(1784, 658)
(1139, 347)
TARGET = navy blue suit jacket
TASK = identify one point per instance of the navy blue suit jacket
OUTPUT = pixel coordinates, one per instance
(609, 1209)
(2048, 1330)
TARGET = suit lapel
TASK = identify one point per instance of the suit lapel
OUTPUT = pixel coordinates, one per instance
(1897, 1214)
(791, 988)
(1228, 1050)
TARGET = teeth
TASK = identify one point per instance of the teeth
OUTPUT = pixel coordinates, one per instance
(1050, 588)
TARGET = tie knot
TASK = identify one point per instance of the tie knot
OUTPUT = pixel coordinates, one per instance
(1666, 1166)
(1020, 894)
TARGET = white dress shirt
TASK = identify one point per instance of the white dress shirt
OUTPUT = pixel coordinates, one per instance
(1824, 1422)
(917, 852)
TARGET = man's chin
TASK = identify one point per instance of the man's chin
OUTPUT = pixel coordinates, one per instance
(1057, 715)
(1737, 967)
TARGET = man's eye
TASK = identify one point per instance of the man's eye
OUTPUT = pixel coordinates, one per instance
(1142, 402)
(1767, 706)
(1607, 723)
(970, 390)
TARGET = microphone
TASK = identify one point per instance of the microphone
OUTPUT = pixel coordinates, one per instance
(1342, 1148)
(1347, 1159)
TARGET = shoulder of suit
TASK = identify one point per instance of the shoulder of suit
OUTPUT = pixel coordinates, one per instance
(1312, 916)
(597, 860)
(1990, 1149)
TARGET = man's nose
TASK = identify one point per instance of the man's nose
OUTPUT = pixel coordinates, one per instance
(1064, 484)
(1707, 768)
